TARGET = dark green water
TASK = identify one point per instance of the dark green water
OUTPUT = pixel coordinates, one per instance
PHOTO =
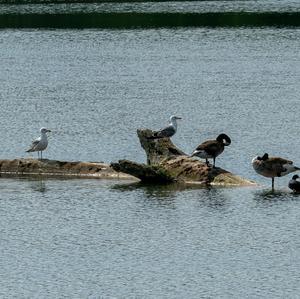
(149, 20)
(150, 14)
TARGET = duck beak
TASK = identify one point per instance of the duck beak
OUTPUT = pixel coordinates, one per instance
(177, 117)
(48, 130)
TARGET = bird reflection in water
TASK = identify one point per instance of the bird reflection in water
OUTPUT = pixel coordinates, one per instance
(213, 197)
(270, 196)
(38, 185)
(167, 191)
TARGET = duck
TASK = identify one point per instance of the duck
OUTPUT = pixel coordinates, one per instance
(272, 167)
(168, 131)
(211, 149)
(294, 184)
(39, 144)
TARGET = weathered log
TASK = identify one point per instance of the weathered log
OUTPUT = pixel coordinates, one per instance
(146, 173)
(47, 167)
(165, 163)
(157, 150)
(163, 157)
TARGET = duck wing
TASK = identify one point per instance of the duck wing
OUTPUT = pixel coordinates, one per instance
(211, 147)
(276, 165)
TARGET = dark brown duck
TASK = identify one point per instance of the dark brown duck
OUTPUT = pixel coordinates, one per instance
(211, 149)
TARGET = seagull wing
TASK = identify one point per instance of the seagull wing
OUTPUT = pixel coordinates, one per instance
(33, 145)
(165, 132)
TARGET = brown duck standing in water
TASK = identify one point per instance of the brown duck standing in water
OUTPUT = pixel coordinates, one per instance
(272, 167)
(210, 149)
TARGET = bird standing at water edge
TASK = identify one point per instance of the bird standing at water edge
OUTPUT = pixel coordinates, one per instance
(168, 131)
(40, 144)
(272, 167)
(210, 149)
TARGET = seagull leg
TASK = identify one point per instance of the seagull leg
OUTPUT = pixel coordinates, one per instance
(38, 155)
(214, 162)
(41, 155)
(272, 184)
(206, 161)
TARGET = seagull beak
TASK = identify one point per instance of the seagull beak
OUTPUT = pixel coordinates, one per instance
(48, 130)
(177, 117)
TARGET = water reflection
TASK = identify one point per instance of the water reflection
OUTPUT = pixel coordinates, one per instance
(213, 197)
(267, 195)
(38, 186)
(152, 190)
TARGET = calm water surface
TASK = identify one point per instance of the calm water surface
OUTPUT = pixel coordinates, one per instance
(177, 6)
(110, 239)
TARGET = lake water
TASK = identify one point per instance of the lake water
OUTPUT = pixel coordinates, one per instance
(115, 239)
(166, 6)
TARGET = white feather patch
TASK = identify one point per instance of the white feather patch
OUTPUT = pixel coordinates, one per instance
(289, 168)
(201, 154)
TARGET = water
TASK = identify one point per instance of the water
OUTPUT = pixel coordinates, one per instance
(167, 6)
(104, 239)
(114, 239)
(168, 14)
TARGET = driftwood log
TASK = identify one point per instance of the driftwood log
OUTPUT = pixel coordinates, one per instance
(167, 163)
(45, 167)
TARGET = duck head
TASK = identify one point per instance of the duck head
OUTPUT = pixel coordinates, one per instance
(224, 139)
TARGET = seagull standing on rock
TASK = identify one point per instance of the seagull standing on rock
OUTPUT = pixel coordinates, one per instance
(40, 144)
(168, 131)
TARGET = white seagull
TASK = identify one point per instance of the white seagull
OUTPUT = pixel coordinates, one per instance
(168, 131)
(40, 144)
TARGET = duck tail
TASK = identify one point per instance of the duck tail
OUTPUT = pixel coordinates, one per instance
(194, 153)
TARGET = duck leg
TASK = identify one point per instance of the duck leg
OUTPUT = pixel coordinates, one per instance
(214, 162)
(272, 184)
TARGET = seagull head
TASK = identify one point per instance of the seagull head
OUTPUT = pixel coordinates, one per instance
(44, 130)
(174, 118)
